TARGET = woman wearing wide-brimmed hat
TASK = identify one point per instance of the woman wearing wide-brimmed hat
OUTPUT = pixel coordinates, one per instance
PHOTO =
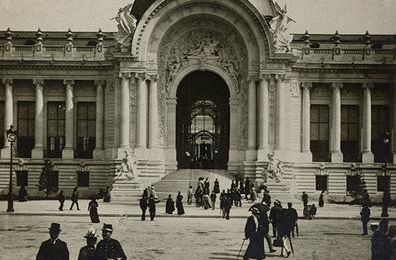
(88, 252)
(255, 230)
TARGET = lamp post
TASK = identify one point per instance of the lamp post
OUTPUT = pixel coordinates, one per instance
(386, 195)
(11, 137)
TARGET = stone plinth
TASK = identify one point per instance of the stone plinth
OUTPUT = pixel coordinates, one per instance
(126, 191)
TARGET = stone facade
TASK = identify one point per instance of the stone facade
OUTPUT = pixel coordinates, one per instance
(134, 91)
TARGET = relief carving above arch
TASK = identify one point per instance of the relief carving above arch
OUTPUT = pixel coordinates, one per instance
(200, 41)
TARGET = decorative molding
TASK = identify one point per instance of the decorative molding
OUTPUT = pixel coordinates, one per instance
(294, 91)
(7, 82)
(38, 82)
(68, 82)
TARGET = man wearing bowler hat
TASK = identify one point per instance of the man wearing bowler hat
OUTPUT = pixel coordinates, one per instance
(109, 248)
(53, 248)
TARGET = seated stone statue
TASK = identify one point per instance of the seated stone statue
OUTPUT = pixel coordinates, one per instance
(127, 170)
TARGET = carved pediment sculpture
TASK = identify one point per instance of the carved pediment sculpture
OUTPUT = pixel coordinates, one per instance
(126, 24)
(279, 27)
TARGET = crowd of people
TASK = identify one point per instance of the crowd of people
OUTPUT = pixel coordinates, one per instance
(107, 248)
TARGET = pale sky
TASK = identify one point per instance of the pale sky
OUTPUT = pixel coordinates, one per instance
(318, 16)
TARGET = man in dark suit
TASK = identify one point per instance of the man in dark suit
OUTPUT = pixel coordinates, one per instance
(53, 248)
(109, 248)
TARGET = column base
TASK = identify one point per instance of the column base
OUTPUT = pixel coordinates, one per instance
(155, 154)
(336, 157)
(251, 155)
(99, 154)
(367, 157)
(262, 154)
(38, 153)
(306, 156)
(141, 153)
(5, 152)
(67, 153)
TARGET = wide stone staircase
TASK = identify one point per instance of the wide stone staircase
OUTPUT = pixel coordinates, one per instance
(180, 180)
(126, 192)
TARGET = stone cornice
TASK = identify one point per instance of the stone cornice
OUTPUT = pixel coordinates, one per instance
(56, 66)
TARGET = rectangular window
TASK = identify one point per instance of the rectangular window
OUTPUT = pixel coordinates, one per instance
(383, 183)
(86, 129)
(55, 129)
(379, 126)
(83, 178)
(22, 178)
(25, 127)
(352, 183)
(319, 129)
(2, 130)
(350, 133)
(321, 182)
(53, 180)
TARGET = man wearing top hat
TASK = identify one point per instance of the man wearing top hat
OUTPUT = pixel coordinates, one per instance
(109, 248)
(53, 248)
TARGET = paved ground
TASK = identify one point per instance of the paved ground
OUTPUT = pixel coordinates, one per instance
(50, 208)
(182, 238)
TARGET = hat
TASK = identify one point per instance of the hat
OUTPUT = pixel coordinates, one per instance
(278, 202)
(254, 209)
(55, 227)
(91, 233)
(108, 227)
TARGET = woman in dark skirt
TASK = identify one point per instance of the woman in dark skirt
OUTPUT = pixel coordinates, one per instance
(216, 187)
(179, 204)
(93, 211)
(321, 201)
(170, 205)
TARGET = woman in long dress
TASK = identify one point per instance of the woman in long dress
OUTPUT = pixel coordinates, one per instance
(170, 205)
(179, 204)
(93, 211)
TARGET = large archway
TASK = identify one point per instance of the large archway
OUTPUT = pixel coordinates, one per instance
(202, 121)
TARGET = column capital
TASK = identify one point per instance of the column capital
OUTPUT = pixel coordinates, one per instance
(306, 85)
(280, 77)
(367, 86)
(100, 83)
(68, 82)
(140, 75)
(125, 75)
(7, 81)
(337, 85)
(251, 78)
(38, 82)
(153, 77)
(266, 76)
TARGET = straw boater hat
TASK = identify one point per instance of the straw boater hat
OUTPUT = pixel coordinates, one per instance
(107, 227)
(55, 227)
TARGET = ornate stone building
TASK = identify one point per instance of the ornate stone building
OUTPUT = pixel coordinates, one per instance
(208, 84)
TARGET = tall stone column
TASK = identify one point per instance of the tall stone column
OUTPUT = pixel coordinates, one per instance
(234, 155)
(251, 153)
(8, 115)
(99, 135)
(263, 111)
(153, 124)
(280, 136)
(37, 152)
(394, 124)
(336, 154)
(306, 120)
(142, 109)
(125, 113)
(68, 150)
(367, 155)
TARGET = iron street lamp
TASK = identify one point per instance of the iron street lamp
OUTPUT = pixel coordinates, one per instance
(11, 137)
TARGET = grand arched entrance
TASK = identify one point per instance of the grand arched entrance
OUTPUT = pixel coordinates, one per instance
(202, 121)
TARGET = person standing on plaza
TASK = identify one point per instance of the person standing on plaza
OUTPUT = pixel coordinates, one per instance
(213, 199)
(386, 199)
(366, 198)
(61, 199)
(380, 243)
(321, 201)
(255, 229)
(273, 216)
(247, 188)
(22, 194)
(106, 195)
(143, 206)
(179, 204)
(216, 187)
(152, 206)
(283, 229)
(266, 197)
(93, 211)
(74, 198)
(170, 205)
(88, 252)
(365, 218)
(292, 217)
(206, 187)
(227, 204)
(190, 194)
(304, 199)
(109, 248)
(53, 248)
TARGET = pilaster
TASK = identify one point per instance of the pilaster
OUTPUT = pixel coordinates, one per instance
(99, 153)
(154, 153)
(124, 114)
(251, 153)
(263, 118)
(306, 121)
(8, 115)
(142, 110)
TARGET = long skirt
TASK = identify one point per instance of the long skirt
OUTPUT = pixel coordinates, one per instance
(255, 250)
(93, 213)
(180, 208)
